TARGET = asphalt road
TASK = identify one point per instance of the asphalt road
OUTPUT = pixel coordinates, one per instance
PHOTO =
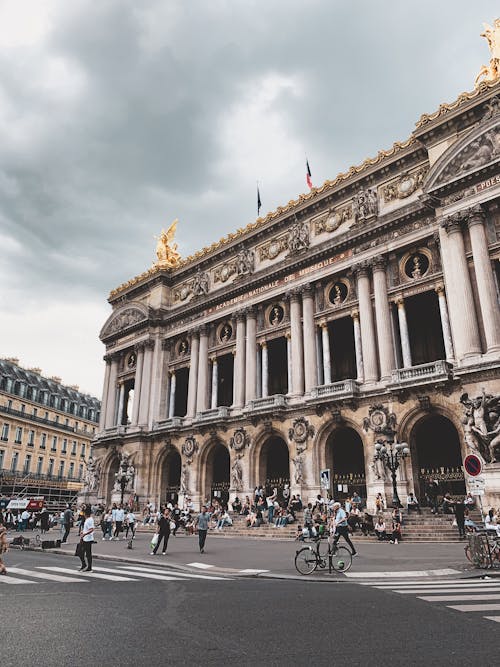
(191, 620)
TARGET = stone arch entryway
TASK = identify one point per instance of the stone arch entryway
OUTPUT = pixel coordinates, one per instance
(346, 460)
(437, 455)
(107, 484)
(274, 465)
(218, 473)
(170, 477)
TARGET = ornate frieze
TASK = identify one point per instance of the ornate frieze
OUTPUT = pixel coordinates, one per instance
(298, 238)
(241, 265)
(331, 220)
(405, 185)
(199, 285)
(274, 248)
(123, 320)
(380, 420)
(478, 153)
(299, 433)
(189, 447)
(239, 440)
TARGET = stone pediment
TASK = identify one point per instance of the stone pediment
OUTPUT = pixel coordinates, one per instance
(123, 318)
(480, 148)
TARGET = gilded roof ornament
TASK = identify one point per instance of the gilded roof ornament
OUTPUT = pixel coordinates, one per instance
(491, 72)
(166, 249)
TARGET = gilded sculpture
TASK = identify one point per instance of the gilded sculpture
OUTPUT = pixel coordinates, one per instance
(166, 249)
(491, 72)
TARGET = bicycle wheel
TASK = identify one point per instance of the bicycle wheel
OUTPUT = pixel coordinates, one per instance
(468, 554)
(323, 547)
(341, 559)
(306, 561)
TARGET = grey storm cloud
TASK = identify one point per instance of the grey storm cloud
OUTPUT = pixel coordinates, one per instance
(125, 115)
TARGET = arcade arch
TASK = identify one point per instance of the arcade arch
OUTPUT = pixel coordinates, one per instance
(437, 455)
(217, 473)
(346, 461)
(170, 476)
(274, 465)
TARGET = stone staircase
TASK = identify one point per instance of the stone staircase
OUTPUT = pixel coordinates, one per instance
(424, 527)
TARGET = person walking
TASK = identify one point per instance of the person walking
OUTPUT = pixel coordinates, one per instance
(459, 509)
(4, 546)
(119, 517)
(87, 539)
(67, 520)
(339, 527)
(202, 522)
(44, 520)
(130, 524)
(163, 531)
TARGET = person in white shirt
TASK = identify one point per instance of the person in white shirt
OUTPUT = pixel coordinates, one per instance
(87, 539)
(119, 517)
(130, 524)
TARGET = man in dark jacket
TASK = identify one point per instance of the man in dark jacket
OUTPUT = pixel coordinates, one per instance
(163, 532)
(459, 509)
(67, 520)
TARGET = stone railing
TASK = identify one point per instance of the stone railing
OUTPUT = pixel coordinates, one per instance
(342, 389)
(214, 413)
(436, 370)
(171, 422)
(267, 403)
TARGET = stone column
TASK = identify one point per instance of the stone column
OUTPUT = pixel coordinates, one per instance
(327, 362)
(259, 371)
(146, 382)
(320, 378)
(459, 289)
(251, 356)
(485, 279)
(383, 319)
(139, 351)
(239, 362)
(403, 333)
(111, 403)
(215, 383)
(105, 392)
(202, 390)
(265, 371)
(159, 392)
(289, 362)
(193, 375)
(445, 323)
(310, 367)
(367, 326)
(297, 347)
(171, 401)
(121, 397)
(358, 347)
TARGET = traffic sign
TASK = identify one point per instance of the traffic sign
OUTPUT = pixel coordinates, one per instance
(477, 492)
(473, 465)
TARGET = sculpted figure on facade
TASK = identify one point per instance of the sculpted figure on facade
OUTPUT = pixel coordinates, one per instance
(239, 440)
(365, 204)
(298, 462)
(482, 424)
(298, 237)
(245, 262)
(123, 320)
(491, 72)
(237, 475)
(184, 485)
(166, 249)
(125, 476)
(200, 284)
(92, 474)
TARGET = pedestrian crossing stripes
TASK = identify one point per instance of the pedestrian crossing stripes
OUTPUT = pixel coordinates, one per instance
(474, 595)
(119, 574)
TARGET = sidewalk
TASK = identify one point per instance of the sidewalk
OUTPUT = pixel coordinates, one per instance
(252, 557)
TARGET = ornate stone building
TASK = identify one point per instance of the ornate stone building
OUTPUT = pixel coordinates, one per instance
(364, 311)
(47, 429)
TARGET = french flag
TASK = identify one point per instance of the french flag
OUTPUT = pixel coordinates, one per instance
(308, 175)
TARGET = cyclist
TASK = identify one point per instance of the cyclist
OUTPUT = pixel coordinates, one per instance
(339, 528)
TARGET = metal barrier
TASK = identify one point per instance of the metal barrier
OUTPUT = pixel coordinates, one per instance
(483, 551)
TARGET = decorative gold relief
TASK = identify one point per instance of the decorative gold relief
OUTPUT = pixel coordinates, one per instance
(491, 72)
(166, 249)
(405, 185)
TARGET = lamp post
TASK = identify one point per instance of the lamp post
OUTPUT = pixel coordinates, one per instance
(391, 454)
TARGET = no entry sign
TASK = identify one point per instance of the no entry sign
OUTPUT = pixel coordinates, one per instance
(473, 465)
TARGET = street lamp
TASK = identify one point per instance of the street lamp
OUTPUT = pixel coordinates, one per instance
(123, 479)
(391, 454)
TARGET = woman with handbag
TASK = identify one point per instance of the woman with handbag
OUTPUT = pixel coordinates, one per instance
(163, 532)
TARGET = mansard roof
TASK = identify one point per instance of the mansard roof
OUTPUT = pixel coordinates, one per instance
(32, 378)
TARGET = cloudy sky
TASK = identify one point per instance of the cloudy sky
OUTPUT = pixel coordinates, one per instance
(118, 116)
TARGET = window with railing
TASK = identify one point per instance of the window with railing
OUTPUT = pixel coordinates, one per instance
(5, 432)
(64, 447)
(27, 464)
(43, 441)
(82, 451)
(61, 468)
(53, 447)
(50, 469)
(19, 435)
(31, 438)
(71, 470)
(39, 465)
(2, 456)
(14, 461)
(73, 448)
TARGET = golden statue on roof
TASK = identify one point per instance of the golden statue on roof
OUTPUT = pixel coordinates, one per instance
(166, 249)
(491, 72)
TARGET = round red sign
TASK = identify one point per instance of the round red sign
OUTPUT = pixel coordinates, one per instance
(473, 465)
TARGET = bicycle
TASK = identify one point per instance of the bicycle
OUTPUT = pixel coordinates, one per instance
(483, 550)
(309, 558)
